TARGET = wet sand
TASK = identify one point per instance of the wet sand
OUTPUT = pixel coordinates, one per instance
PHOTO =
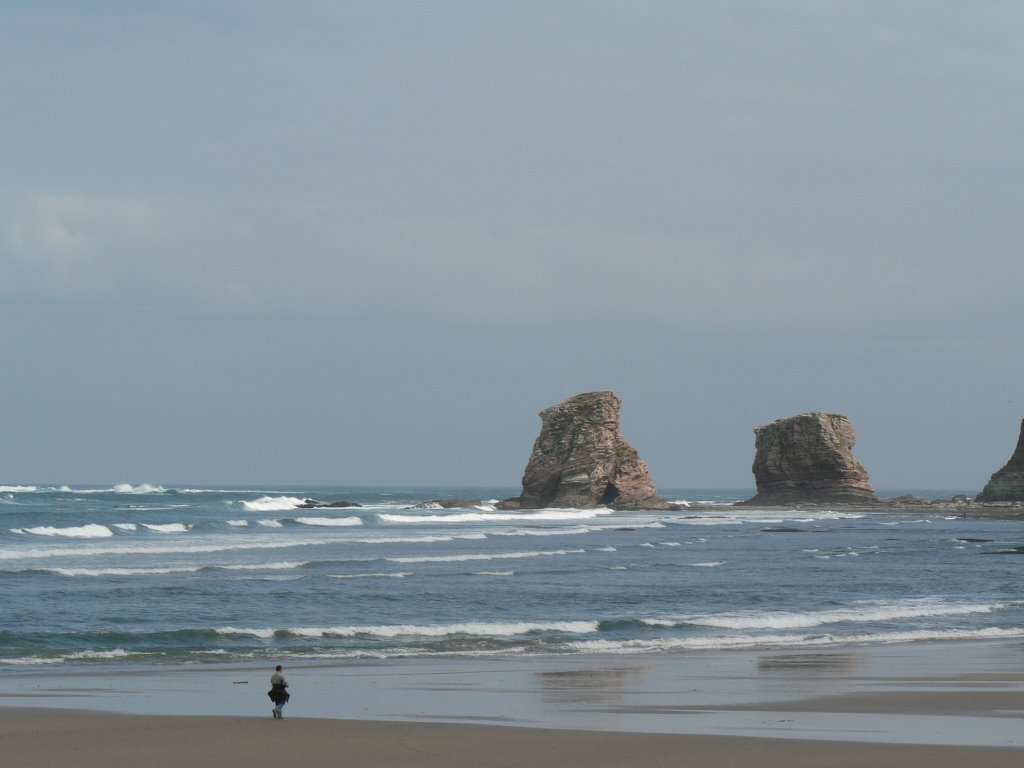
(908, 705)
(47, 738)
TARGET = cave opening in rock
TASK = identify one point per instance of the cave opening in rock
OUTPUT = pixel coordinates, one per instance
(611, 493)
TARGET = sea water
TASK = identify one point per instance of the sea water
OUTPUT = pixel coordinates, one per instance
(152, 575)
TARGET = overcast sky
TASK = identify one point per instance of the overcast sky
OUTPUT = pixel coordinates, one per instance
(366, 243)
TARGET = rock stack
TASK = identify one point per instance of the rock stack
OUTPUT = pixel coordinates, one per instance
(808, 459)
(1008, 483)
(581, 460)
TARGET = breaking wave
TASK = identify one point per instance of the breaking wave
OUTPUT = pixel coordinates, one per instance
(138, 489)
(273, 504)
(884, 612)
(488, 517)
(745, 642)
(329, 522)
(475, 629)
(91, 531)
(496, 556)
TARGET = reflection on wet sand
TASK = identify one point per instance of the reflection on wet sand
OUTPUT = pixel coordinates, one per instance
(804, 663)
(590, 687)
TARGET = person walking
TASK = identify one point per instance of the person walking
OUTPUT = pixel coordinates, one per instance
(278, 692)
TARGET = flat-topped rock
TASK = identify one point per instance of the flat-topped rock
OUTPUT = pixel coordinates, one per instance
(809, 459)
(581, 460)
(1008, 483)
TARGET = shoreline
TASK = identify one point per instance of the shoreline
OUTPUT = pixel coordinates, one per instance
(950, 694)
(969, 510)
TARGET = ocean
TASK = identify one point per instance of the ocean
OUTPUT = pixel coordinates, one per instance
(149, 575)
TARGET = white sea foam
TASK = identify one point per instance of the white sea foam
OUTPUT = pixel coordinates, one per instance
(137, 489)
(429, 539)
(475, 629)
(216, 490)
(179, 547)
(495, 573)
(396, 575)
(575, 531)
(495, 556)
(238, 523)
(273, 503)
(874, 612)
(741, 642)
(121, 571)
(329, 521)
(624, 526)
(270, 523)
(266, 634)
(167, 527)
(40, 489)
(712, 564)
(278, 566)
(157, 507)
(129, 527)
(708, 521)
(488, 517)
(116, 653)
(90, 531)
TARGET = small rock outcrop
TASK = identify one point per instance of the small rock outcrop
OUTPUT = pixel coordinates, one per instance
(1008, 483)
(314, 504)
(448, 504)
(581, 460)
(808, 459)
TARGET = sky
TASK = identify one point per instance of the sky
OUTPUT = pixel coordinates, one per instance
(361, 243)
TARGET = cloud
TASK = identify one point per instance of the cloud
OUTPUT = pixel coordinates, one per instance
(772, 166)
(59, 244)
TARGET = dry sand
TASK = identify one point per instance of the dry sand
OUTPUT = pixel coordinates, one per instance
(54, 738)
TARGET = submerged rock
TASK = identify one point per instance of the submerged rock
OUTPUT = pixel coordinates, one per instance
(448, 504)
(809, 459)
(314, 504)
(906, 500)
(581, 460)
(1008, 483)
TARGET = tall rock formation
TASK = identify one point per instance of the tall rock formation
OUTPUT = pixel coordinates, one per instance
(581, 460)
(809, 459)
(1008, 483)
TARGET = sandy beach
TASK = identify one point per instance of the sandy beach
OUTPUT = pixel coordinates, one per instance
(915, 704)
(48, 738)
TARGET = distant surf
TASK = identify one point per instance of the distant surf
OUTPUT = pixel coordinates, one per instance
(143, 573)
